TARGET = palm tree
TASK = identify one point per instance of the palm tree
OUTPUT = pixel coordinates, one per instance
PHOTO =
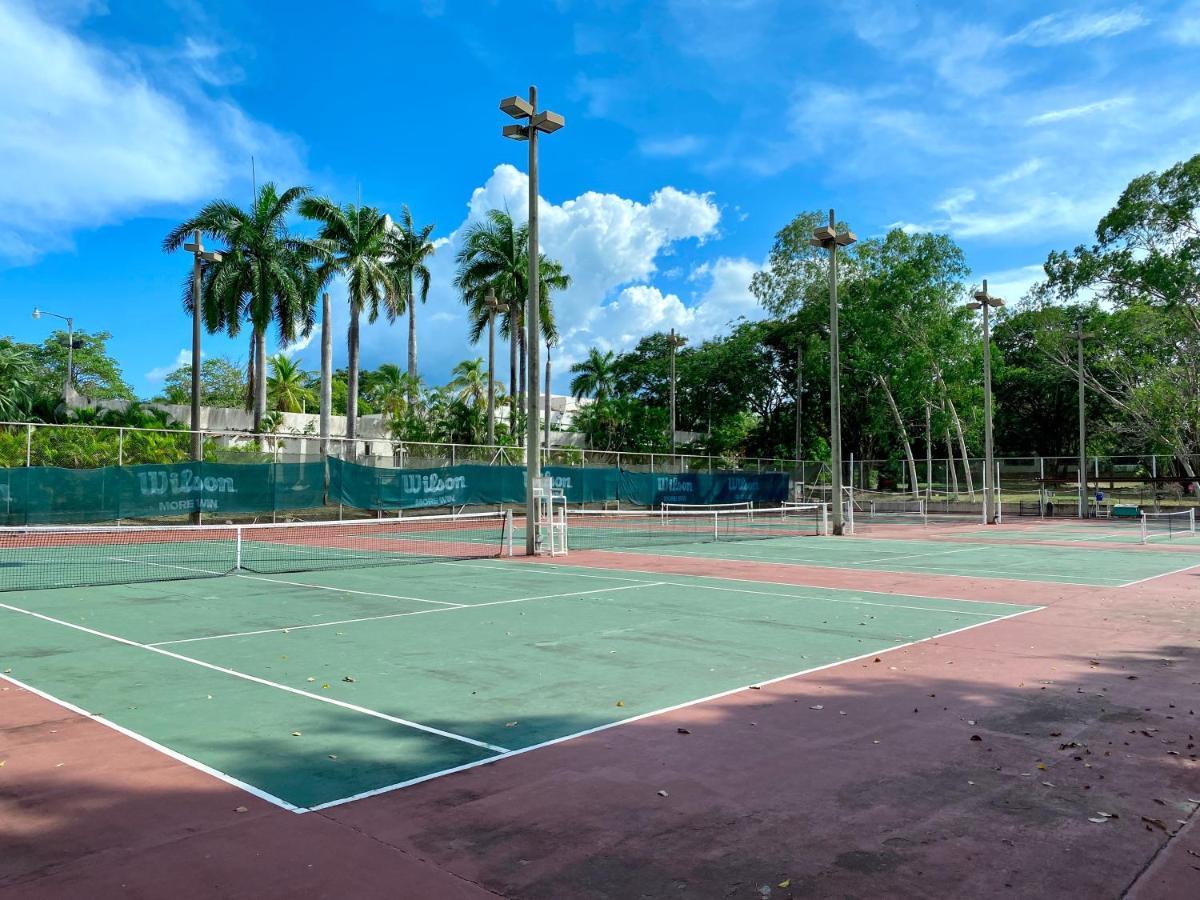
(289, 388)
(263, 276)
(495, 254)
(410, 249)
(469, 383)
(353, 241)
(393, 391)
(18, 381)
(595, 376)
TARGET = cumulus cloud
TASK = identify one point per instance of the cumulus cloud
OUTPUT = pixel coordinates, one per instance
(88, 136)
(611, 245)
(160, 373)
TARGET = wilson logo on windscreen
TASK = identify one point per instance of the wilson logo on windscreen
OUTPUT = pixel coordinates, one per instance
(184, 484)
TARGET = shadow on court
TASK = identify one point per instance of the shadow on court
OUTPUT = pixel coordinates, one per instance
(967, 766)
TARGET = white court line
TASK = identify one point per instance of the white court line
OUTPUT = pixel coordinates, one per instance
(417, 612)
(161, 748)
(887, 559)
(553, 567)
(1160, 575)
(315, 587)
(646, 715)
(263, 681)
(852, 565)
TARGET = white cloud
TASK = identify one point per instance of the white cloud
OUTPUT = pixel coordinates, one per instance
(159, 373)
(1074, 112)
(671, 148)
(301, 343)
(1013, 284)
(88, 136)
(1068, 28)
(610, 245)
(1184, 28)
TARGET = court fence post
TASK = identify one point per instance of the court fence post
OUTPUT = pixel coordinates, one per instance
(120, 446)
(28, 445)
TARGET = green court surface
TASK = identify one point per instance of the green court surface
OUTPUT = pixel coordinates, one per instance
(312, 689)
(1091, 534)
(1060, 565)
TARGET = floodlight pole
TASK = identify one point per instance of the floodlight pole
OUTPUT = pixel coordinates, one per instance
(1080, 337)
(199, 257)
(799, 393)
(985, 302)
(830, 239)
(547, 122)
(546, 411)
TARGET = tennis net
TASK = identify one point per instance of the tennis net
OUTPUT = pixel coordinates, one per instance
(36, 558)
(1168, 525)
(705, 507)
(608, 529)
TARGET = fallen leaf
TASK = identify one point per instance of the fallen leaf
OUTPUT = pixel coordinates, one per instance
(755, 687)
(295, 734)
(682, 731)
(1042, 766)
(785, 883)
(976, 737)
(333, 756)
(1099, 820)
(242, 809)
(1157, 823)
(818, 706)
(348, 679)
(310, 679)
(663, 794)
(509, 724)
(620, 703)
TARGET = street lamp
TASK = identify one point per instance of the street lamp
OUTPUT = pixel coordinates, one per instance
(829, 238)
(70, 380)
(675, 341)
(986, 302)
(493, 306)
(545, 122)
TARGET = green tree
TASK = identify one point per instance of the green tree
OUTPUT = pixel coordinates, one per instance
(222, 384)
(410, 249)
(263, 276)
(289, 388)
(18, 381)
(391, 390)
(595, 376)
(1144, 263)
(97, 373)
(353, 241)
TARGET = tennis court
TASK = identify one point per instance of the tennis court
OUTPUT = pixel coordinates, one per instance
(311, 688)
(1060, 565)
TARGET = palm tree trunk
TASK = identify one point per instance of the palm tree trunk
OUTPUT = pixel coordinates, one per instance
(512, 376)
(521, 348)
(352, 379)
(251, 379)
(491, 394)
(412, 331)
(260, 378)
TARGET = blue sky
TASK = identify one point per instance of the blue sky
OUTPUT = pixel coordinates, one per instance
(695, 130)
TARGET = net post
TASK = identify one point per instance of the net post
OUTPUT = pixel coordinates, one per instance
(824, 525)
(508, 528)
(1145, 529)
(237, 563)
(1192, 520)
(716, 526)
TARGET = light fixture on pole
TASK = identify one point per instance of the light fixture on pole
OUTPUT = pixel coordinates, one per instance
(199, 257)
(1080, 337)
(986, 302)
(493, 306)
(674, 341)
(545, 122)
(829, 238)
(69, 382)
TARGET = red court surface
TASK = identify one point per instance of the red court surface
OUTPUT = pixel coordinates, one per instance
(971, 765)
